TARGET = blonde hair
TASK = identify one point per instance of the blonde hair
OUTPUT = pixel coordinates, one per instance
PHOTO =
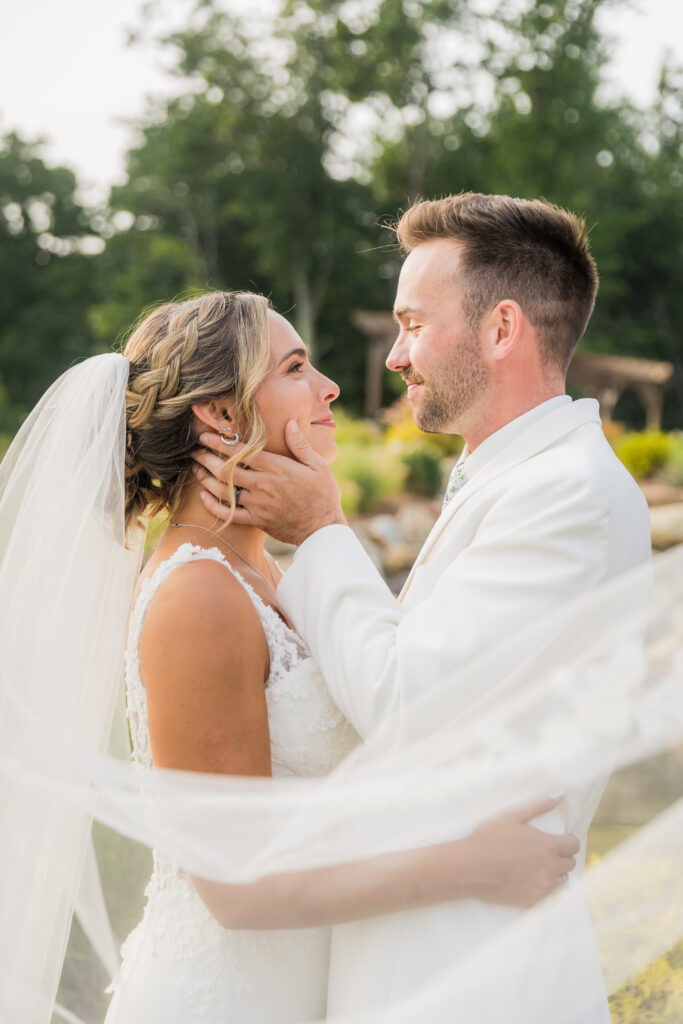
(527, 250)
(183, 353)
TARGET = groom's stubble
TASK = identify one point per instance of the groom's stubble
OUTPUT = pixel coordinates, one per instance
(463, 378)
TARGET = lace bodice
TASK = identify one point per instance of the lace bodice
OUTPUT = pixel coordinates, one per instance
(308, 733)
(179, 964)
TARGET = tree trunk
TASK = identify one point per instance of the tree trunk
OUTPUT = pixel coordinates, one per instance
(305, 310)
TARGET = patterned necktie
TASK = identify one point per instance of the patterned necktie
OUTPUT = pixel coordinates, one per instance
(456, 480)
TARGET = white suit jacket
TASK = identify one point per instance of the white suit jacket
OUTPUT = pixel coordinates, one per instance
(550, 516)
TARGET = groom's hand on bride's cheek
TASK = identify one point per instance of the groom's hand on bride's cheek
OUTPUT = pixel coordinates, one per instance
(289, 498)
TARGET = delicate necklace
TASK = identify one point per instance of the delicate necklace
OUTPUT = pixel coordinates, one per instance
(196, 526)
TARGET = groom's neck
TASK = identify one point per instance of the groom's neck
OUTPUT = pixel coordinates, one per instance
(501, 406)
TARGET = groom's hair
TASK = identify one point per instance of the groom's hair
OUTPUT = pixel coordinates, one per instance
(526, 250)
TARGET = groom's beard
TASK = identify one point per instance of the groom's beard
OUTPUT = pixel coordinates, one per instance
(463, 377)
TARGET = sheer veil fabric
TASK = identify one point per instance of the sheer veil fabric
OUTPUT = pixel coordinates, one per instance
(569, 701)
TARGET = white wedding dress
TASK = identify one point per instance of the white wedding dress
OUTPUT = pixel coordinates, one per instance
(179, 965)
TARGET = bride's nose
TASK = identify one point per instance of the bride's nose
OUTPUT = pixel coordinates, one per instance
(328, 390)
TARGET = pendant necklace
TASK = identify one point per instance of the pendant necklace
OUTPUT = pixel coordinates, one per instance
(196, 526)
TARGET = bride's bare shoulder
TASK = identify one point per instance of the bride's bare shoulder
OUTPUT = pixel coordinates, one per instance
(202, 601)
(204, 661)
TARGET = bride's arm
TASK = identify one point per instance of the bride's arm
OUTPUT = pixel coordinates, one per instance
(504, 861)
(204, 660)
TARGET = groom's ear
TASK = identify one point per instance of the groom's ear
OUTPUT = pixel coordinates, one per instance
(217, 414)
(502, 327)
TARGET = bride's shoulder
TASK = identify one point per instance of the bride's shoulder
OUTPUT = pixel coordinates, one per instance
(204, 662)
(200, 602)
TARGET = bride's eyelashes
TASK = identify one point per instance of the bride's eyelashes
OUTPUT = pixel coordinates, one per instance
(296, 368)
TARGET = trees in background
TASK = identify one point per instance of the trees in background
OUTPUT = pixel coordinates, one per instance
(297, 136)
(46, 278)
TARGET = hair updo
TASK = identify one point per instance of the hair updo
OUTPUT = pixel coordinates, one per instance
(183, 353)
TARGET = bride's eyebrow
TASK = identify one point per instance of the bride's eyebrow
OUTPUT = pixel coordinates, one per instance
(294, 352)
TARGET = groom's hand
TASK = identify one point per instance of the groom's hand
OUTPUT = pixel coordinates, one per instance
(289, 498)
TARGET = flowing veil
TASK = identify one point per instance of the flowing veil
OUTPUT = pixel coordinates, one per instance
(591, 691)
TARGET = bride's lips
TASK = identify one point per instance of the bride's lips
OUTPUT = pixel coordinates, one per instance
(324, 423)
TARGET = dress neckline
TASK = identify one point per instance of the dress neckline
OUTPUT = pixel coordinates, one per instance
(192, 549)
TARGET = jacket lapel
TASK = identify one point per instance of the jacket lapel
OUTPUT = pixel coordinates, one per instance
(539, 435)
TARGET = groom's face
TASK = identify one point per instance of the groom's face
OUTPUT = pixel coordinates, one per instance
(437, 352)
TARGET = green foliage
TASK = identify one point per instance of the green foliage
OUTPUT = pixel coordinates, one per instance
(47, 284)
(643, 454)
(673, 471)
(654, 995)
(139, 269)
(404, 432)
(375, 474)
(355, 432)
(424, 471)
(155, 529)
(259, 179)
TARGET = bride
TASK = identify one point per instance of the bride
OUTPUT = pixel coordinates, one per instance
(218, 682)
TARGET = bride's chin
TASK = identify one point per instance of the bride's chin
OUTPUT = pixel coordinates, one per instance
(330, 454)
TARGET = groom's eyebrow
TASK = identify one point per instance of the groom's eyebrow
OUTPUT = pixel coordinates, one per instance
(294, 352)
(407, 311)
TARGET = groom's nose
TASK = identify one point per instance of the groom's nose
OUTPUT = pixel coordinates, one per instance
(399, 358)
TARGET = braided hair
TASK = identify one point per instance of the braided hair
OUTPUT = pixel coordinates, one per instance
(181, 354)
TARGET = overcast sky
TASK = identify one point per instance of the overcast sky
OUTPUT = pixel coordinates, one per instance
(67, 75)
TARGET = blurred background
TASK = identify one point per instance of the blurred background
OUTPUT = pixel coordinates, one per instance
(151, 149)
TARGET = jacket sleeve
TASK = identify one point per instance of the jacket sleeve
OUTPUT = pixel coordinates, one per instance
(532, 551)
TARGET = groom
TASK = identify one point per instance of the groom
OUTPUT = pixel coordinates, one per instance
(493, 297)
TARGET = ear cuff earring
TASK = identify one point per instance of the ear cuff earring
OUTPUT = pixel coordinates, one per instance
(230, 441)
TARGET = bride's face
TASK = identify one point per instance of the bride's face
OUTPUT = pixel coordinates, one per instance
(294, 390)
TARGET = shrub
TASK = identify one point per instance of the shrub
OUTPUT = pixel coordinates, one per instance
(613, 431)
(424, 471)
(406, 433)
(155, 528)
(376, 473)
(654, 995)
(351, 497)
(5, 442)
(673, 471)
(355, 432)
(644, 453)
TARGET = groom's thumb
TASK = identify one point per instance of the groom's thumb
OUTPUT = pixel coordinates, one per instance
(299, 445)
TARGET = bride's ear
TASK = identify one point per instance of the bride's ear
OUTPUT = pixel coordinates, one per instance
(217, 414)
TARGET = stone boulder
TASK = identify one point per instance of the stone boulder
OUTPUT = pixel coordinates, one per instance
(398, 558)
(384, 530)
(667, 525)
(415, 520)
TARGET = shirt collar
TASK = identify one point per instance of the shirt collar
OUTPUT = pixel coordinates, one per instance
(488, 449)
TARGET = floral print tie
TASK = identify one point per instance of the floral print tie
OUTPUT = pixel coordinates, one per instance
(456, 480)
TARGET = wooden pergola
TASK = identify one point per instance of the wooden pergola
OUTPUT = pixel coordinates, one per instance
(607, 377)
(596, 376)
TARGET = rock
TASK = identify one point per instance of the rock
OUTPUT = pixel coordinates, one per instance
(658, 493)
(370, 547)
(667, 525)
(415, 520)
(384, 530)
(397, 558)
